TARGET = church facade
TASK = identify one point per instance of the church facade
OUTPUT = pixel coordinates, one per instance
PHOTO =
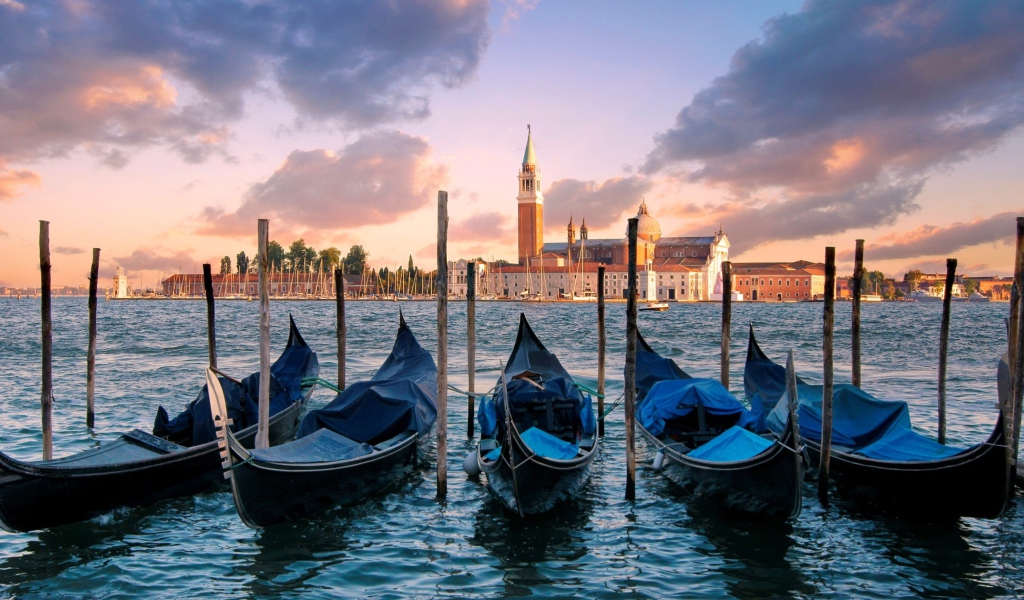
(669, 268)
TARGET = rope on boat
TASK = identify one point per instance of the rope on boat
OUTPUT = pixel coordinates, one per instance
(476, 394)
(617, 402)
(322, 382)
(239, 464)
(584, 388)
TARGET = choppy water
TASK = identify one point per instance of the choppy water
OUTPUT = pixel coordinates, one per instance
(408, 544)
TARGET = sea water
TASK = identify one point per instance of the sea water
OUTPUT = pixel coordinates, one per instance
(408, 544)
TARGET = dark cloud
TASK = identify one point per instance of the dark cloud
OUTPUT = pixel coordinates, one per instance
(117, 76)
(494, 226)
(846, 96)
(67, 250)
(376, 179)
(602, 204)
(929, 240)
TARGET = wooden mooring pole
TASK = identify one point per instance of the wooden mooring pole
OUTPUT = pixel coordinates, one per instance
(630, 372)
(442, 344)
(855, 292)
(601, 347)
(471, 341)
(726, 319)
(211, 325)
(90, 360)
(1016, 333)
(262, 429)
(947, 299)
(827, 388)
(339, 300)
(46, 400)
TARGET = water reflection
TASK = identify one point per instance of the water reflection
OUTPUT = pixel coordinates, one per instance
(524, 545)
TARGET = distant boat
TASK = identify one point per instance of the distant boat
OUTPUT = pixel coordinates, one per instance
(658, 306)
(870, 298)
(922, 296)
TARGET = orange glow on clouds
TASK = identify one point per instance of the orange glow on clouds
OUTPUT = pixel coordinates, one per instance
(845, 155)
(146, 87)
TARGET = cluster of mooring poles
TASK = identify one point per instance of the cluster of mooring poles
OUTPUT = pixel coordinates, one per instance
(1011, 410)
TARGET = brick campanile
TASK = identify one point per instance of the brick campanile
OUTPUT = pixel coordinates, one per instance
(531, 205)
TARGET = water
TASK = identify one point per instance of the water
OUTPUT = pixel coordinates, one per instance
(408, 544)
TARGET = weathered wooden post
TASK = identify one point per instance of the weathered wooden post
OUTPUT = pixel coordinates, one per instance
(1017, 324)
(726, 319)
(262, 430)
(339, 299)
(601, 345)
(947, 298)
(211, 331)
(855, 292)
(46, 400)
(442, 344)
(826, 392)
(471, 339)
(90, 360)
(630, 372)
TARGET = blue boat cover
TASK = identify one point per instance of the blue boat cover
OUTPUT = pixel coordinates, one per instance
(734, 444)
(906, 445)
(544, 444)
(764, 382)
(679, 397)
(194, 426)
(651, 368)
(530, 361)
(858, 418)
(322, 446)
(401, 396)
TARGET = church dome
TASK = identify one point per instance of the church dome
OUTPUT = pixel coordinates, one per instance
(647, 227)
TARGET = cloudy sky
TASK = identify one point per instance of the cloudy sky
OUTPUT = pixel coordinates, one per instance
(160, 131)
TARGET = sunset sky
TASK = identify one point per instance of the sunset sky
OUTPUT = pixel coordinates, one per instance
(161, 131)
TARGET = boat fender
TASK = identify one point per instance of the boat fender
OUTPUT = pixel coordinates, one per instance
(659, 461)
(472, 464)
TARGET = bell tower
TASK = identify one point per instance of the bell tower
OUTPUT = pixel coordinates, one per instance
(531, 205)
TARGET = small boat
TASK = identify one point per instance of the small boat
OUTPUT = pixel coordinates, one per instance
(538, 431)
(361, 443)
(878, 458)
(138, 468)
(707, 442)
(658, 306)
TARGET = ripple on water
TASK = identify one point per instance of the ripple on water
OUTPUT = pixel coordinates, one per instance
(407, 544)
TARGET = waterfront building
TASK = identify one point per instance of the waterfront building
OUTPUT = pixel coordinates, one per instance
(778, 281)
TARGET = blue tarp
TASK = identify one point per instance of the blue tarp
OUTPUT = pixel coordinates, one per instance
(544, 444)
(531, 406)
(194, 426)
(679, 397)
(401, 396)
(907, 445)
(322, 446)
(736, 443)
(651, 368)
(858, 418)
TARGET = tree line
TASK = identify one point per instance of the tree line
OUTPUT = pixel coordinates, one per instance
(299, 258)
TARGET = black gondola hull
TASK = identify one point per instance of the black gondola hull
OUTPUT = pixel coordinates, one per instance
(42, 495)
(270, 493)
(767, 485)
(974, 484)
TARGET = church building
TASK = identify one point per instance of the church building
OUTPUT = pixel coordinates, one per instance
(669, 268)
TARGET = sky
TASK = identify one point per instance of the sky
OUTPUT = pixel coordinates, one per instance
(160, 131)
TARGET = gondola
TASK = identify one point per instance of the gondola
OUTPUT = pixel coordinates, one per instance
(705, 441)
(138, 468)
(361, 443)
(878, 459)
(538, 431)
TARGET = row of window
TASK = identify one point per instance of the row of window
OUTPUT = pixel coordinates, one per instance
(807, 282)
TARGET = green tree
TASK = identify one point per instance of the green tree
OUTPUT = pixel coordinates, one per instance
(355, 261)
(275, 256)
(912, 277)
(300, 256)
(225, 265)
(330, 259)
(242, 262)
(970, 286)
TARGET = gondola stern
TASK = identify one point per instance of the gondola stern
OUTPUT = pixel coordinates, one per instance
(294, 337)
